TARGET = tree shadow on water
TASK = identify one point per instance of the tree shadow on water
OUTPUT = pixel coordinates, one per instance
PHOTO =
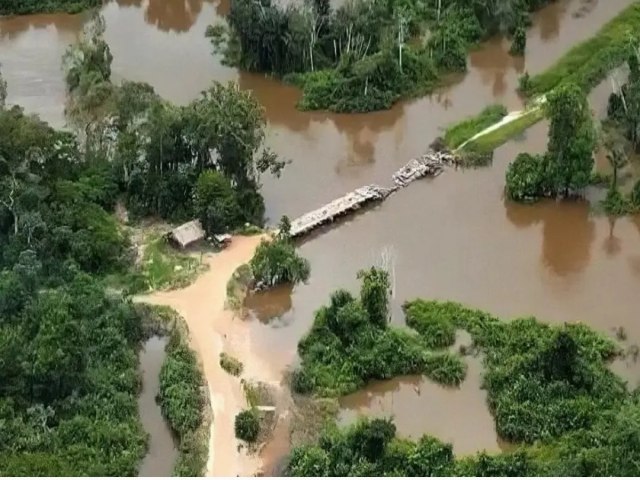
(568, 232)
(271, 306)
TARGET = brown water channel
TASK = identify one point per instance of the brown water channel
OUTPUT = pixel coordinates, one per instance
(162, 453)
(453, 237)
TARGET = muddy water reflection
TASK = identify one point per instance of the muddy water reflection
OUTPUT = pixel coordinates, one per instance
(419, 406)
(162, 453)
(272, 307)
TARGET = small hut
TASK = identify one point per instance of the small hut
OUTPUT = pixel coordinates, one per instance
(187, 234)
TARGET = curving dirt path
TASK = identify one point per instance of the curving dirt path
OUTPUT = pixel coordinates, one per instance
(213, 330)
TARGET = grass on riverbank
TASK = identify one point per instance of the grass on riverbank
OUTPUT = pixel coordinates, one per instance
(588, 63)
(27, 7)
(458, 133)
(487, 143)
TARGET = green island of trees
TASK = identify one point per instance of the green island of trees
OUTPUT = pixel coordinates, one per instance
(351, 343)
(25, 7)
(367, 54)
(565, 169)
(549, 389)
(276, 261)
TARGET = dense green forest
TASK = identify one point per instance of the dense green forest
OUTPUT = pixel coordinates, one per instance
(201, 160)
(548, 387)
(68, 344)
(24, 7)
(68, 376)
(366, 54)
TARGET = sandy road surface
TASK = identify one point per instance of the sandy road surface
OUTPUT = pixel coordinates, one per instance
(212, 330)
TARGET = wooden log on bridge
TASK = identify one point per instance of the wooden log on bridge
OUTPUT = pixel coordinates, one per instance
(338, 207)
(431, 163)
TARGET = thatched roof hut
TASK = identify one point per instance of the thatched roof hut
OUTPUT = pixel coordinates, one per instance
(187, 233)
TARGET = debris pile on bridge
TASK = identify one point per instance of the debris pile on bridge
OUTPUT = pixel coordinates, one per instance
(338, 207)
(430, 164)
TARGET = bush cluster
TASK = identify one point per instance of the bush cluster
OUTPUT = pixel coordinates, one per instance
(230, 364)
(350, 344)
(247, 425)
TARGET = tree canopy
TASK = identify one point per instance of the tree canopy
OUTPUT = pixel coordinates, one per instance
(565, 169)
(360, 56)
(201, 160)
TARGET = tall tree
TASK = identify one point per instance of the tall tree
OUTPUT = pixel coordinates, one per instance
(572, 140)
(374, 295)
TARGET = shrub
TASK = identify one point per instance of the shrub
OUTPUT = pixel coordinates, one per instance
(519, 42)
(276, 262)
(436, 331)
(231, 365)
(247, 425)
(445, 368)
(180, 380)
(525, 177)
(301, 382)
(615, 204)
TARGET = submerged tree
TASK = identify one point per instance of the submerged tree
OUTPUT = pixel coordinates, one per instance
(572, 140)
(276, 262)
(374, 295)
(565, 169)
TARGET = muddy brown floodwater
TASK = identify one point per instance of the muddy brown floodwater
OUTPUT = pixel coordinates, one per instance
(453, 237)
(162, 452)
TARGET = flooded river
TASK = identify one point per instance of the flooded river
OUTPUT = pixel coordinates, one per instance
(454, 237)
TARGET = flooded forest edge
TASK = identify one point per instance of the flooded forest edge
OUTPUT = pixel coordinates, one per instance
(453, 239)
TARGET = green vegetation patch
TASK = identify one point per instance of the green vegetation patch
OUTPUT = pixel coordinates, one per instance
(350, 343)
(164, 267)
(69, 377)
(588, 63)
(457, 134)
(231, 365)
(487, 143)
(238, 285)
(542, 381)
(366, 54)
(247, 425)
(183, 402)
(548, 387)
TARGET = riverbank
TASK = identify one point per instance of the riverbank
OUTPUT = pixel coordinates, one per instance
(586, 65)
(214, 330)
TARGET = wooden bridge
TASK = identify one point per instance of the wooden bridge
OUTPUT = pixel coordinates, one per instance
(431, 164)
